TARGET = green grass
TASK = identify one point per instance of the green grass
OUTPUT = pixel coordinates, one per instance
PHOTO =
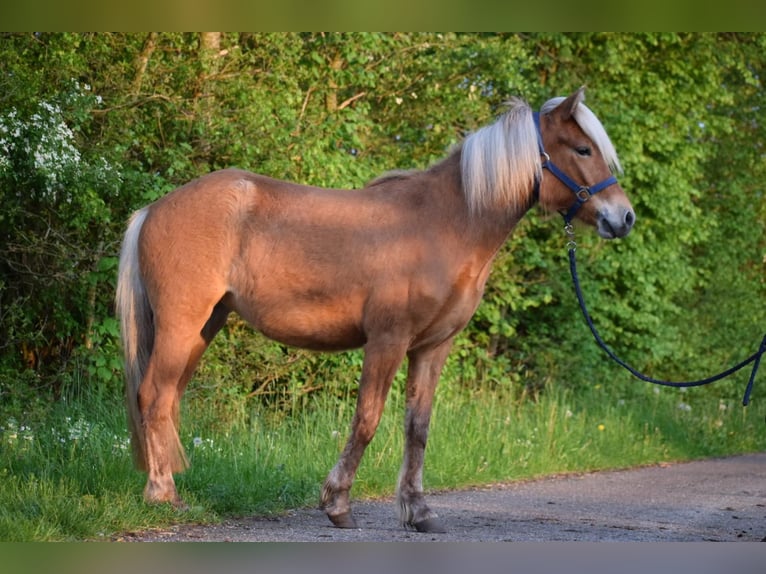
(69, 476)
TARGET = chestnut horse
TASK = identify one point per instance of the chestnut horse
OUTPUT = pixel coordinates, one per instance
(398, 268)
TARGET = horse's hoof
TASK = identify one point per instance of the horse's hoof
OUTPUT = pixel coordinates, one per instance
(173, 499)
(431, 525)
(344, 520)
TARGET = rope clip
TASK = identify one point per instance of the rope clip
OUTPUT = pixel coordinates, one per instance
(571, 243)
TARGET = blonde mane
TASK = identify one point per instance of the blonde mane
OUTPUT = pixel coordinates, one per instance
(499, 162)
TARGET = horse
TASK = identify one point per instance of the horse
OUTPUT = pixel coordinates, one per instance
(397, 267)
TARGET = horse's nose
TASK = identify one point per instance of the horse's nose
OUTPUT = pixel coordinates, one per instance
(615, 222)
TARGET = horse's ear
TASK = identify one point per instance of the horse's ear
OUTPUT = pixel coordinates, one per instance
(569, 105)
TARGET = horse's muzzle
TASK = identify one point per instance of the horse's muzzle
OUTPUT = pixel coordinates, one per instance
(615, 222)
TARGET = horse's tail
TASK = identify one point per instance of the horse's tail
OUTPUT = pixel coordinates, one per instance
(136, 330)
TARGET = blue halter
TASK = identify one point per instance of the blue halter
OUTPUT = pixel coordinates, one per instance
(582, 192)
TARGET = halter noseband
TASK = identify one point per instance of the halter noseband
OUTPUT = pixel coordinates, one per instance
(582, 192)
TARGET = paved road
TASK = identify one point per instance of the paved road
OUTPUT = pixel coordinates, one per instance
(718, 499)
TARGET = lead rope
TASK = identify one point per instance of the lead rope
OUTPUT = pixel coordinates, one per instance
(755, 358)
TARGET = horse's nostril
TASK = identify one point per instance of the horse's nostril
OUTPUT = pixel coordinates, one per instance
(630, 218)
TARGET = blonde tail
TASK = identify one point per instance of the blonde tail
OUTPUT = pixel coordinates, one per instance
(136, 330)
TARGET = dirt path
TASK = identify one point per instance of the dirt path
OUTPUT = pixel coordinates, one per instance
(718, 499)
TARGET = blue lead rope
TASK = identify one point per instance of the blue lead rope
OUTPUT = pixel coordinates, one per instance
(755, 358)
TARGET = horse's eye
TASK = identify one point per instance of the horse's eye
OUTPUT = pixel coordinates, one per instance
(583, 151)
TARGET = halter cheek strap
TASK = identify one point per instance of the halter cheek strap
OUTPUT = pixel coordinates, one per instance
(582, 192)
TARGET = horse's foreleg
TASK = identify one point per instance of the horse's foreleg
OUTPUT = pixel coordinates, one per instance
(378, 370)
(425, 366)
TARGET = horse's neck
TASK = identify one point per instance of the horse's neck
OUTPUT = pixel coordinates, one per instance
(488, 229)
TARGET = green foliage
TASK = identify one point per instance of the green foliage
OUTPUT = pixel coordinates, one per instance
(244, 373)
(55, 259)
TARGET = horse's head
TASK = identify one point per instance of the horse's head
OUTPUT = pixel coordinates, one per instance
(578, 161)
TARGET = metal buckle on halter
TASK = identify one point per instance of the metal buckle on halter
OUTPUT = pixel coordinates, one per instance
(583, 194)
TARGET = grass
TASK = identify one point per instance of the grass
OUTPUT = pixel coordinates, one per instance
(70, 477)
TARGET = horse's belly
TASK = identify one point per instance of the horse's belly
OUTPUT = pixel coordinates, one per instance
(317, 327)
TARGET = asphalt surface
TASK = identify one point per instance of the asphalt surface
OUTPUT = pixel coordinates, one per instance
(707, 500)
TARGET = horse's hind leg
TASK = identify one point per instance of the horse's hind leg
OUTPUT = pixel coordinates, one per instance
(378, 370)
(174, 357)
(425, 366)
(157, 400)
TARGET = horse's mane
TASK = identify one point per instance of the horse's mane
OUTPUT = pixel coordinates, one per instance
(499, 162)
(392, 175)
